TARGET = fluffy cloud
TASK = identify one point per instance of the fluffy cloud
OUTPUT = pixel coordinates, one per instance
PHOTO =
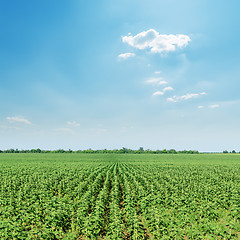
(168, 89)
(214, 106)
(158, 93)
(18, 120)
(163, 91)
(199, 107)
(125, 56)
(185, 97)
(157, 43)
(156, 81)
(73, 123)
(157, 72)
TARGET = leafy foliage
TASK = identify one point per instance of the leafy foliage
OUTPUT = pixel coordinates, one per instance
(57, 196)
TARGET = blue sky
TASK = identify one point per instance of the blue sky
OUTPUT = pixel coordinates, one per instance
(112, 74)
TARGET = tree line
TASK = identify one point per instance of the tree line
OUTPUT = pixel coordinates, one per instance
(122, 150)
(118, 151)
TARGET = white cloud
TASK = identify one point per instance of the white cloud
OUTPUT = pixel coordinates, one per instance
(18, 120)
(168, 89)
(158, 93)
(157, 43)
(156, 81)
(214, 106)
(157, 72)
(163, 91)
(200, 107)
(185, 97)
(125, 56)
(73, 123)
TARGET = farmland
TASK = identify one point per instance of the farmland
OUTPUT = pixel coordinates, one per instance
(119, 196)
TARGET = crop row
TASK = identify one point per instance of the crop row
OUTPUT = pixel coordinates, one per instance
(119, 200)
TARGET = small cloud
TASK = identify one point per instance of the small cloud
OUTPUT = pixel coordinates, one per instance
(156, 81)
(168, 89)
(157, 72)
(73, 123)
(125, 56)
(200, 107)
(214, 106)
(157, 43)
(185, 97)
(162, 82)
(18, 120)
(163, 91)
(158, 93)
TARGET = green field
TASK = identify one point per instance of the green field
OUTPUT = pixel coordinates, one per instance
(119, 196)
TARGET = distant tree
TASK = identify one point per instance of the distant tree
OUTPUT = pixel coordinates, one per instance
(148, 151)
(105, 151)
(164, 151)
(225, 151)
(60, 151)
(10, 150)
(141, 149)
(196, 152)
(172, 151)
(89, 151)
(233, 151)
(124, 150)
